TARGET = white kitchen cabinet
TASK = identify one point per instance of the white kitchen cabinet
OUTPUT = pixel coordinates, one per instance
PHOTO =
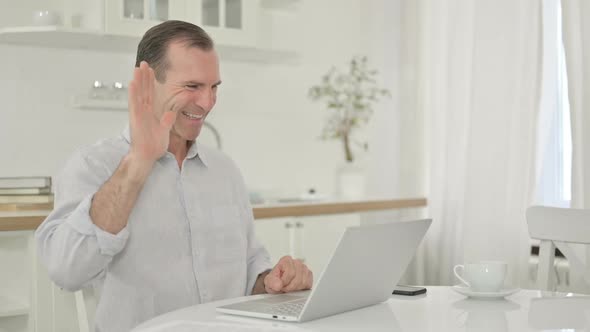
(135, 17)
(274, 235)
(15, 281)
(240, 28)
(29, 301)
(229, 22)
(312, 239)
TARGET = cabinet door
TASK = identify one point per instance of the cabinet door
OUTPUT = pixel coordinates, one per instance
(135, 17)
(312, 239)
(274, 234)
(229, 22)
(320, 235)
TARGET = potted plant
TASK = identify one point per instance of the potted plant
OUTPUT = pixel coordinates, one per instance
(349, 96)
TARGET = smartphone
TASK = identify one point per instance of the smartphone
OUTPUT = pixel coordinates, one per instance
(408, 290)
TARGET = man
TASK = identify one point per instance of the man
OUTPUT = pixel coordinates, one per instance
(160, 220)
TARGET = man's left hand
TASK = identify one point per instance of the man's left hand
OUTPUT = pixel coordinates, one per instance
(288, 275)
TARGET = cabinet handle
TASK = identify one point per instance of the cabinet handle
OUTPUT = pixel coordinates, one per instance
(288, 225)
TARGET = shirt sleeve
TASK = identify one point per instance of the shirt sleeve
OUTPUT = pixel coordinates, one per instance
(72, 248)
(258, 257)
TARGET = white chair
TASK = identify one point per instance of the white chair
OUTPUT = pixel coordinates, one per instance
(86, 303)
(558, 227)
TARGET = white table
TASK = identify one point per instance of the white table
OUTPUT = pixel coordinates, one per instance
(441, 309)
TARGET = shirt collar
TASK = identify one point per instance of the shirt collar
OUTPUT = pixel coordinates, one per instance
(193, 151)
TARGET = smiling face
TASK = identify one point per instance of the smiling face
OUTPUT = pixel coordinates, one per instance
(191, 74)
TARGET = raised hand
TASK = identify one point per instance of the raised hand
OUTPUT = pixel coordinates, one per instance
(150, 126)
(288, 275)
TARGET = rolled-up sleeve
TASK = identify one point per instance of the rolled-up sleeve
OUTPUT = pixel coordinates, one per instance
(258, 257)
(73, 249)
(258, 260)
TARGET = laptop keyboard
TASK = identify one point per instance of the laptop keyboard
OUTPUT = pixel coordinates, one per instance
(292, 308)
(188, 326)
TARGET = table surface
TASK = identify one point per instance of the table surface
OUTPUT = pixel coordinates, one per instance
(440, 309)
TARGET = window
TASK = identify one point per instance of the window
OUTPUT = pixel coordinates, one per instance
(554, 135)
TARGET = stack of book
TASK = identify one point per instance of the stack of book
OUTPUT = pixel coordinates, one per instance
(25, 190)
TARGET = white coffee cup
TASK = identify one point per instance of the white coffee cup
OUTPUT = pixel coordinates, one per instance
(484, 276)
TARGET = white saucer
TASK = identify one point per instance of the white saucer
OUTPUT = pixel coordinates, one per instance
(464, 290)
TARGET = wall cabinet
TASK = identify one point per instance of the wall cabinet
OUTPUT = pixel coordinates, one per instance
(134, 17)
(238, 27)
(15, 281)
(229, 22)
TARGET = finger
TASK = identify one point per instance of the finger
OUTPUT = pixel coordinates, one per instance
(145, 84)
(140, 85)
(145, 73)
(298, 281)
(137, 91)
(131, 99)
(149, 91)
(274, 279)
(288, 269)
(272, 282)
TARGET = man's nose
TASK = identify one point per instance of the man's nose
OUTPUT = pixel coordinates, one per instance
(206, 100)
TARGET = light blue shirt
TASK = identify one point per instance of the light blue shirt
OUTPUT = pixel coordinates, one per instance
(189, 238)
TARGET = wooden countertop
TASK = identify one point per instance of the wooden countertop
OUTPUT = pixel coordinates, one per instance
(327, 207)
(22, 220)
(18, 220)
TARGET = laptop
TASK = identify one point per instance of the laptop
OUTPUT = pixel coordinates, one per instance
(365, 267)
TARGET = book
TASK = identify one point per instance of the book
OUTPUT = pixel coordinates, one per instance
(26, 199)
(25, 191)
(26, 182)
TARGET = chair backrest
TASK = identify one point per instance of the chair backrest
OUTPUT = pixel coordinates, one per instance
(86, 303)
(553, 225)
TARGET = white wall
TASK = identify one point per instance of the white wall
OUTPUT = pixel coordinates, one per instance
(266, 120)
(267, 123)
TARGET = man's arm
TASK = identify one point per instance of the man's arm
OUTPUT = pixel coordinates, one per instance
(150, 135)
(112, 204)
(73, 249)
(86, 229)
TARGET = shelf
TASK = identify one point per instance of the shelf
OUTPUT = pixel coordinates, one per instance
(98, 104)
(58, 37)
(286, 5)
(66, 38)
(11, 308)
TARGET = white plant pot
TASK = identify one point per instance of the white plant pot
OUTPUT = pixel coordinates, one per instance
(350, 181)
